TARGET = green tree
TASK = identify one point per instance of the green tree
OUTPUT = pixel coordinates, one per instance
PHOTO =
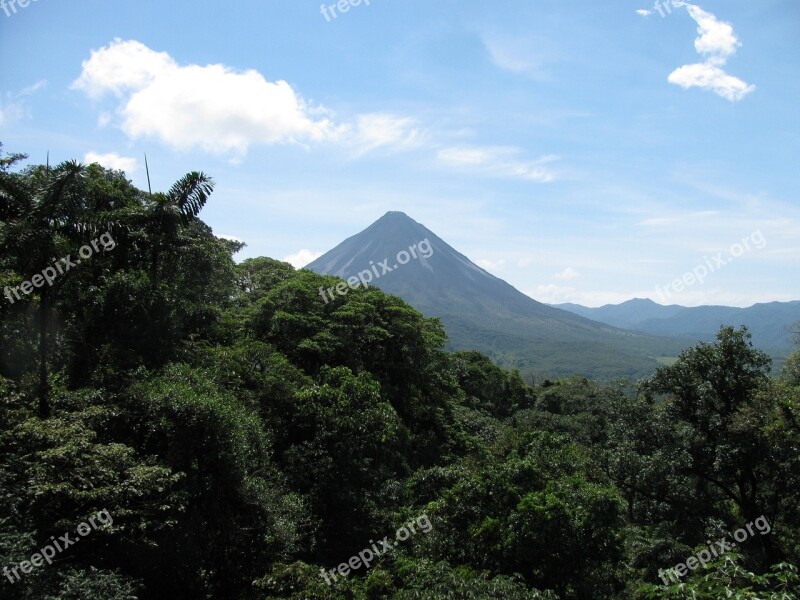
(42, 218)
(166, 213)
(709, 445)
(540, 509)
(708, 387)
(239, 514)
(348, 442)
(726, 577)
(490, 388)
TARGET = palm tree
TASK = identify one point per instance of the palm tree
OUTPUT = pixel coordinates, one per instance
(44, 214)
(39, 220)
(167, 213)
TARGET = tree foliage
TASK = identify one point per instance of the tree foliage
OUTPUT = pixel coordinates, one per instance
(245, 434)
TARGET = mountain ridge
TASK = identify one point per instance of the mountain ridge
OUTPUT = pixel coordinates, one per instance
(768, 322)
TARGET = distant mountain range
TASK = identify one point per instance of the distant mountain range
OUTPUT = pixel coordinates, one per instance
(481, 312)
(768, 322)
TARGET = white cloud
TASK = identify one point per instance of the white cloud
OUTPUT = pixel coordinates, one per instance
(123, 68)
(112, 160)
(497, 161)
(717, 39)
(211, 107)
(711, 77)
(302, 258)
(644, 13)
(717, 42)
(568, 274)
(223, 111)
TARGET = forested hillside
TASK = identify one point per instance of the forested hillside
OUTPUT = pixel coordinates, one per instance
(243, 439)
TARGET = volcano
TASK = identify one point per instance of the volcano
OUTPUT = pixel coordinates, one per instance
(482, 312)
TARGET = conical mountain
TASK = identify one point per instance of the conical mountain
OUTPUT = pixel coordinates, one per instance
(482, 312)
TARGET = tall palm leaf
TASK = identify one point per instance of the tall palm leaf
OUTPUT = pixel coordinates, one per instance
(190, 193)
(169, 212)
(36, 222)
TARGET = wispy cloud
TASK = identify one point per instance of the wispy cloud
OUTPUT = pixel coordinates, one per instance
(490, 264)
(553, 294)
(384, 130)
(14, 106)
(567, 274)
(686, 218)
(498, 161)
(523, 55)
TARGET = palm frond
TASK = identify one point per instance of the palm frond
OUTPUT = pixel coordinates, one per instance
(190, 193)
(51, 201)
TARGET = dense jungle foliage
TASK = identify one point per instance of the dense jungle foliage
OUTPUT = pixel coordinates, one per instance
(247, 437)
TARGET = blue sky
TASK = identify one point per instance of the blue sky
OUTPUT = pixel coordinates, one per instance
(583, 151)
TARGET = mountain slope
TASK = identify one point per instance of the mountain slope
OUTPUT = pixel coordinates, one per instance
(480, 311)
